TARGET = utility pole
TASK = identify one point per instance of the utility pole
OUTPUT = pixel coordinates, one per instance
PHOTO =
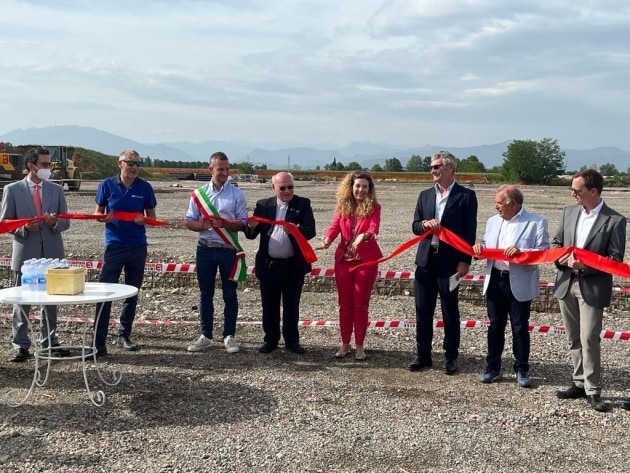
(288, 162)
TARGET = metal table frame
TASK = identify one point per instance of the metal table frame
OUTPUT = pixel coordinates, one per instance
(94, 293)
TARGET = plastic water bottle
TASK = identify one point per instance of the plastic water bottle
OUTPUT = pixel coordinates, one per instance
(41, 275)
(27, 275)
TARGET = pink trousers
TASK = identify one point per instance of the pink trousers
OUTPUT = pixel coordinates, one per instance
(354, 290)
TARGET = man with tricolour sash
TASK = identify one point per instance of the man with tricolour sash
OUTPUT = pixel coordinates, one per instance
(218, 211)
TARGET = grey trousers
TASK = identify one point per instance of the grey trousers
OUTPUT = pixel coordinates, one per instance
(583, 324)
(20, 323)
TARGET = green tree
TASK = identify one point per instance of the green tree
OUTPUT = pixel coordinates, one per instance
(376, 168)
(353, 166)
(427, 163)
(608, 169)
(534, 162)
(393, 165)
(470, 164)
(245, 168)
(415, 164)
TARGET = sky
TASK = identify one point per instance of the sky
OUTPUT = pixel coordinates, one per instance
(321, 72)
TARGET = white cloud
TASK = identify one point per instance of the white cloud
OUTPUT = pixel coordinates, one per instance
(401, 71)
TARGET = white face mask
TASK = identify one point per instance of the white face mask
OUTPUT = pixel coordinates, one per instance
(43, 174)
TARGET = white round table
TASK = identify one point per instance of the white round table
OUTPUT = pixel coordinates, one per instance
(94, 293)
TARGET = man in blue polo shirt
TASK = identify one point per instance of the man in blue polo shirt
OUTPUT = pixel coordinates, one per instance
(125, 242)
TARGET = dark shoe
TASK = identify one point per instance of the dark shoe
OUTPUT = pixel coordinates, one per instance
(489, 376)
(450, 366)
(267, 348)
(596, 403)
(574, 392)
(626, 405)
(523, 379)
(296, 348)
(420, 363)
(126, 344)
(20, 355)
(58, 350)
(101, 350)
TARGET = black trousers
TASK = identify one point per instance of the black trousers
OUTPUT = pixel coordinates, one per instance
(429, 283)
(281, 284)
(501, 304)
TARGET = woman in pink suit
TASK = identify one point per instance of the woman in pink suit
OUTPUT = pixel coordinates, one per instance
(357, 219)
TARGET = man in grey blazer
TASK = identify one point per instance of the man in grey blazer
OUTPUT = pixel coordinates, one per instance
(583, 292)
(36, 239)
(510, 287)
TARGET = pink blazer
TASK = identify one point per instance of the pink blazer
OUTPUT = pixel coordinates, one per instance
(369, 249)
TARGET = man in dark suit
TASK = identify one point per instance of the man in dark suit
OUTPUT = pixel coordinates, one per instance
(280, 266)
(454, 207)
(583, 292)
(34, 196)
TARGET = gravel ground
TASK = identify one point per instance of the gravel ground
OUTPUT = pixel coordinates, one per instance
(181, 412)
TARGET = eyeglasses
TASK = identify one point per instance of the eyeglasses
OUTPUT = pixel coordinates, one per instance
(44, 164)
(283, 188)
(435, 167)
(578, 191)
(132, 163)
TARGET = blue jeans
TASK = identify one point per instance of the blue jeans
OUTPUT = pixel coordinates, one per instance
(132, 260)
(208, 260)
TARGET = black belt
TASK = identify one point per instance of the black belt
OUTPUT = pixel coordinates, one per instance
(434, 250)
(286, 260)
(504, 273)
(212, 244)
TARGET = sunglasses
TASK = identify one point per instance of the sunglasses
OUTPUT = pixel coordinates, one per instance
(578, 191)
(283, 188)
(435, 167)
(132, 163)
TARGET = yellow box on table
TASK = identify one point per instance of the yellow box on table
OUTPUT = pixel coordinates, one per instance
(65, 281)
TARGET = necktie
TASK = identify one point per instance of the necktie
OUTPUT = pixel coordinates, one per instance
(37, 200)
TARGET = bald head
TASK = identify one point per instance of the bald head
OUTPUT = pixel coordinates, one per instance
(508, 201)
(282, 185)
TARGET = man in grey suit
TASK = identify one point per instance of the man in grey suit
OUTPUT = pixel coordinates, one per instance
(36, 239)
(510, 287)
(582, 291)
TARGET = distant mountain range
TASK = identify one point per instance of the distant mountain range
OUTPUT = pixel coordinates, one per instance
(366, 154)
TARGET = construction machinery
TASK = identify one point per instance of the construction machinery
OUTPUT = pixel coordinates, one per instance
(63, 167)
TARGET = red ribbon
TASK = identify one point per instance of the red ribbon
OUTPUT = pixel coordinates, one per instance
(551, 255)
(303, 244)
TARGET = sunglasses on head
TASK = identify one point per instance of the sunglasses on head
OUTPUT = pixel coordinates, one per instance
(132, 163)
(283, 188)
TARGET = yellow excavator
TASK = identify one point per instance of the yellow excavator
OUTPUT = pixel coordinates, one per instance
(63, 168)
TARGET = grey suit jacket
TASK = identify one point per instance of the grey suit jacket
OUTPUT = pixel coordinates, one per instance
(17, 203)
(606, 238)
(531, 234)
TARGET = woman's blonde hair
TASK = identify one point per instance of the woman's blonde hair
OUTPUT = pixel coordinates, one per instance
(347, 206)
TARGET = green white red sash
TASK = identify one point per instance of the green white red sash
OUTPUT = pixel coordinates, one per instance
(208, 210)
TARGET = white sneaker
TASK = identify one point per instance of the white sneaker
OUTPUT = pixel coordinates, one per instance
(230, 344)
(201, 343)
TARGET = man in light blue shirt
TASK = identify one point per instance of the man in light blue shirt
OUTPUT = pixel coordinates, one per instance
(218, 248)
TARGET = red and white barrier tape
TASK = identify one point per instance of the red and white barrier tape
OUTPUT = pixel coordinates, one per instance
(386, 324)
(316, 272)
